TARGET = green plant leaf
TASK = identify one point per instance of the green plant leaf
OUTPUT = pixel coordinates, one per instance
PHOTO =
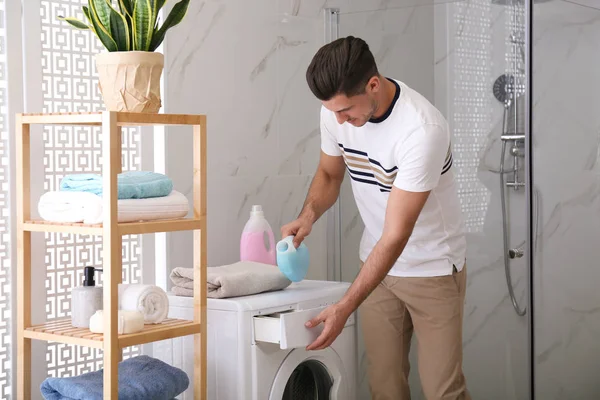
(102, 10)
(156, 6)
(100, 30)
(74, 22)
(86, 12)
(119, 29)
(126, 7)
(175, 16)
(143, 22)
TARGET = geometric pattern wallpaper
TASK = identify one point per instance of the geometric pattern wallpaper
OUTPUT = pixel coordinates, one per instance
(472, 115)
(5, 256)
(70, 85)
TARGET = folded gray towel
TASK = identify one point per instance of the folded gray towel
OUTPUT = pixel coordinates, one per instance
(181, 291)
(239, 279)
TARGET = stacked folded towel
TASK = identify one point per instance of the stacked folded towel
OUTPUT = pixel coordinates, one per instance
(243, 278)
(131, 185)
(88, 208)
(140, 378)
(143, 196)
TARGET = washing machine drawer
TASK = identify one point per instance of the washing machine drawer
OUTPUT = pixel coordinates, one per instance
(287, 328)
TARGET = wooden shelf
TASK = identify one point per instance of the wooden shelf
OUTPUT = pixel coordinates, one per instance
(55, 227)
(129, 228)
(112, 262)
(122, 119)
(63, 332)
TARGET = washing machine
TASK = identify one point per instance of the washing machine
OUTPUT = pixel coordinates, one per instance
(256, 346)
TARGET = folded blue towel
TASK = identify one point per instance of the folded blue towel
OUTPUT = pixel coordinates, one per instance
(140, 378)
(131, 185)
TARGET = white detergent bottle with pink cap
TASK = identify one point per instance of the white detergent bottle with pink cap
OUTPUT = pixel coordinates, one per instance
(258, 242)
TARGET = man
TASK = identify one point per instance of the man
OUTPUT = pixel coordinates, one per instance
(396, 148)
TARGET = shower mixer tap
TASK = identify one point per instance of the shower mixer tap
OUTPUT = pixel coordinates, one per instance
(515, 253)
(517, 150)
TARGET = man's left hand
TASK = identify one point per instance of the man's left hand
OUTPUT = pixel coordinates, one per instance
(333, 318)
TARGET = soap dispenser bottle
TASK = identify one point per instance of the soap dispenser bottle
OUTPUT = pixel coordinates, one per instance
(86, 299)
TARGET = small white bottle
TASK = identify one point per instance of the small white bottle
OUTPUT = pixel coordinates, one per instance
(85, 300)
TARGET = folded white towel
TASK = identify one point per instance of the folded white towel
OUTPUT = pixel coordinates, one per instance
(239, 279)
(127, 322)
(150, 300)
(75, 207)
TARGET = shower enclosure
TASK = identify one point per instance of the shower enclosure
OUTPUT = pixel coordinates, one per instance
(518, 81)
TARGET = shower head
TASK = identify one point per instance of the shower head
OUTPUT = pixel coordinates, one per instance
(516, 2)
(504, 88)
(507, 91)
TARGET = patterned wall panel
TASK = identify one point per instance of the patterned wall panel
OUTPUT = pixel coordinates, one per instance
(515, 47)
(472, 108)
(70, 85)
(5, 261)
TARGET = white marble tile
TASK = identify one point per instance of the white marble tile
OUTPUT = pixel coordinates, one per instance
(297, 108)
(359, 6)
(402, 41)
(230, 77)
(239, 64)
(566, 130)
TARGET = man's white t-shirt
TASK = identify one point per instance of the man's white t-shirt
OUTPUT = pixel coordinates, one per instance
(409, 148)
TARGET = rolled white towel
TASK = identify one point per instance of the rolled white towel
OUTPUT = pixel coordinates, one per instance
(127, 322)
(71, 207)
(150, 300)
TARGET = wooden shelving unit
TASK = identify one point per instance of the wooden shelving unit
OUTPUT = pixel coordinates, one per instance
(111, 231)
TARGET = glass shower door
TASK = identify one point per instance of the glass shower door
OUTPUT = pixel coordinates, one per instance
(458, 54)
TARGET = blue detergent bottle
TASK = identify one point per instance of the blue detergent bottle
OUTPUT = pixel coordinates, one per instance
(292, 262)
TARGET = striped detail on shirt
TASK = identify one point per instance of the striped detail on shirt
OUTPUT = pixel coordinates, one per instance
(448, 162)
(364, 169)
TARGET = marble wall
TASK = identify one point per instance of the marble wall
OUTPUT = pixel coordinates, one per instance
(566, 173)
(243, 63)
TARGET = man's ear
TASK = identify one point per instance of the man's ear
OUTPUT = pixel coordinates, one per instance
(374, 84)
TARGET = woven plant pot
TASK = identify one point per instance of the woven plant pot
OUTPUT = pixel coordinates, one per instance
(130, 80)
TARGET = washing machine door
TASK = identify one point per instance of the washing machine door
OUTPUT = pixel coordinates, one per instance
(313, 375)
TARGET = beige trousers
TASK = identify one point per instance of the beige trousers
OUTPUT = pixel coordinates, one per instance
(433, 309)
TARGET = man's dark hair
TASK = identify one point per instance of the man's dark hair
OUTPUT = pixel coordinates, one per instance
(343, 66)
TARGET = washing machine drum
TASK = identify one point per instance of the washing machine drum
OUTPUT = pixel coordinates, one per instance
(309, 381)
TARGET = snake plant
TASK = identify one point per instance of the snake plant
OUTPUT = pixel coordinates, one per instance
(134, 27)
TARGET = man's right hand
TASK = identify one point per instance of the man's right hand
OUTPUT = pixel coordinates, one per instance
(299, 228)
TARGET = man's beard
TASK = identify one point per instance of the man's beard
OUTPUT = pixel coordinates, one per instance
(374, 107)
